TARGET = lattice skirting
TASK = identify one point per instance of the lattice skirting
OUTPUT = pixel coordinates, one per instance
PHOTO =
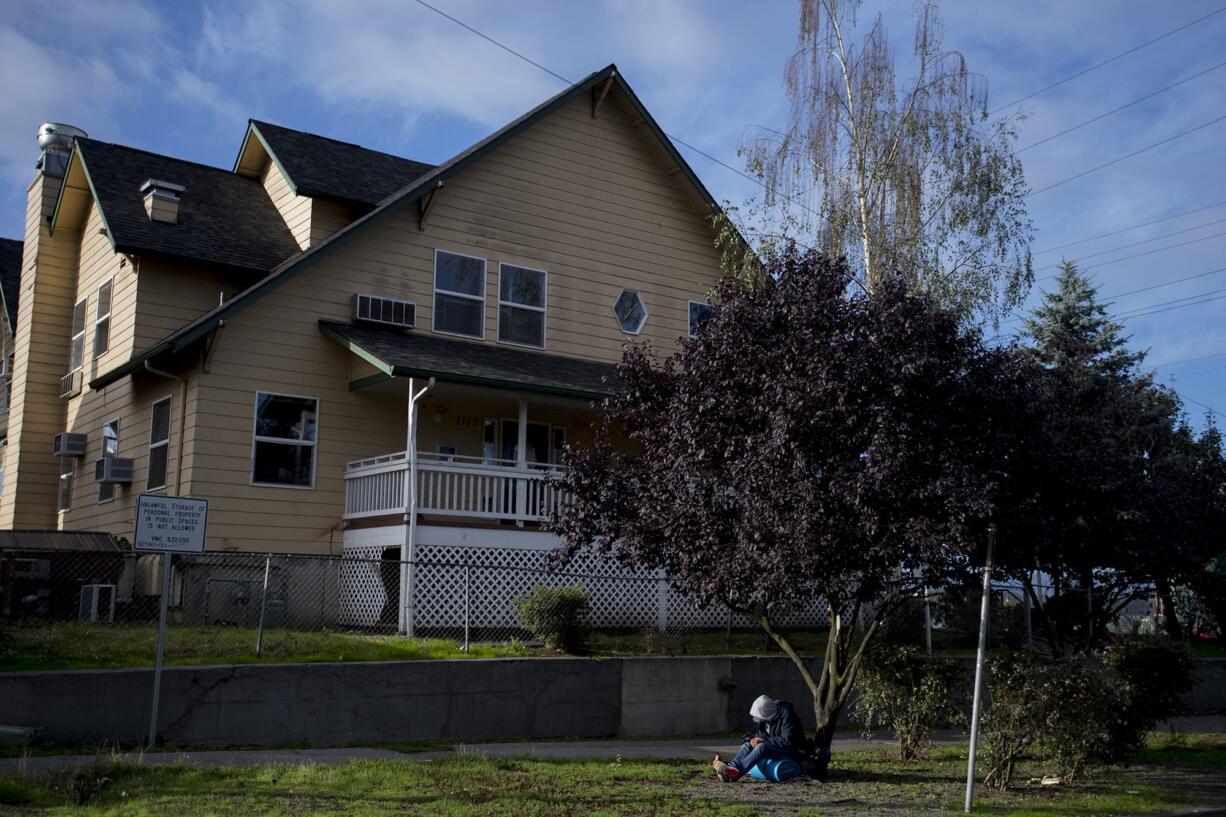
(491, 578)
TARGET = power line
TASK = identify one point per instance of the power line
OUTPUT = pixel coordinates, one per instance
(1171, 308)
(1165, 283)
(1120, 108)
(1119, 159)
(1109, 60)
(1130, 228)
(1139, 243)
(558, 76)
(1205, 406)
(1189, 360)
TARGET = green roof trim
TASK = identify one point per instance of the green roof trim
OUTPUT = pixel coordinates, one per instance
(369, 380)
(304, 260)
(77, 156)
(252, 129)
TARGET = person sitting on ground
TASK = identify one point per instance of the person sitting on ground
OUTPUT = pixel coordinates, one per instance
(779, 736)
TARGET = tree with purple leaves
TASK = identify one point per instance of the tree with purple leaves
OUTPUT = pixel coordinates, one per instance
(812, 444)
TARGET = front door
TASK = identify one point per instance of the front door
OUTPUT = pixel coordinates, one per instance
(538, 443)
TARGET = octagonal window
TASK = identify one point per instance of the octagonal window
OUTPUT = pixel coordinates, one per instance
(630, 312)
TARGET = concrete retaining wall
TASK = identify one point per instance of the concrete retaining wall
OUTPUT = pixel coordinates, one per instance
(329, 704)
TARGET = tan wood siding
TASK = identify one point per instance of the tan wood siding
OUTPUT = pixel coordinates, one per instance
(295, 209)
(586, 200)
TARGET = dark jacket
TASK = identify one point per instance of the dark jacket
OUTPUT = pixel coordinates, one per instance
(784, 731)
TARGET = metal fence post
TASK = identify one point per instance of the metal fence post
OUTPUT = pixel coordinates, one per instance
(467, 599)
(259, 633)
(927, 621)
(980, 655)
(157, 666)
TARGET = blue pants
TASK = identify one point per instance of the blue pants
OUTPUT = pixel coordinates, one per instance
(750, 756)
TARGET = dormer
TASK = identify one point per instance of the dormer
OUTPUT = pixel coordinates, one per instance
(318, 184)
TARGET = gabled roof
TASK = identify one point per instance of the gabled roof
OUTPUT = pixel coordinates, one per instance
(318, 166)
(10, 277)
(224, 218)
(407, 195)
(402, 354)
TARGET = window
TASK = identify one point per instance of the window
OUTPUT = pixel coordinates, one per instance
(63, 499)
(521, 306)
(110, 450)
(700, 313)
(159, 443)
(76, 353)
(630, 311)
(284, 440)
(446, 453)
(102, 324)
(459, 294)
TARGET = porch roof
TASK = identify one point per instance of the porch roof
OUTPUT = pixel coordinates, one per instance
(397, 353)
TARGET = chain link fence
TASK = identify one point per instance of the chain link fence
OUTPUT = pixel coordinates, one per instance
(100, 608)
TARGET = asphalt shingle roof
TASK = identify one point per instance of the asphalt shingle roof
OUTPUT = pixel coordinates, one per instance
(423, 355)
(10, 276)
(319, 166)
(224, 218)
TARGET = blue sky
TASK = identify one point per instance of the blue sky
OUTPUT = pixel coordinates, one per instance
(183, 77)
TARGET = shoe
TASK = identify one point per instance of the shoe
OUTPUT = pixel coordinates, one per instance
(723, 771)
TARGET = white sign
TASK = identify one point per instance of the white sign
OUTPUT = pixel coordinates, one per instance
(170, 523)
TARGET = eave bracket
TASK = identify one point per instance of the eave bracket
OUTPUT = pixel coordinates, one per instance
(425, 204)
(598, 98)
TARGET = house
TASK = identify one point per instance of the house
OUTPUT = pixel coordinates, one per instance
(10, 288)
(252, 335)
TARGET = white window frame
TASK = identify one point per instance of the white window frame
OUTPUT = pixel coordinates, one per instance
(689, 325)
(103, 486)
(163, 443)
(255, 418)
(446, 456)
(78, 337)
(99, 318)
(616, 317)
(434, 298)
(543, 309)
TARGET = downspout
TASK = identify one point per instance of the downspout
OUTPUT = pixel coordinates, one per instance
(182, 422)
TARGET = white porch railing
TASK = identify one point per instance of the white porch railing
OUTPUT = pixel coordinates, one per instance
(453, 487)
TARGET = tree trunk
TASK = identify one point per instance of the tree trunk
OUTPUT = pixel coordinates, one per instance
(1170, 618)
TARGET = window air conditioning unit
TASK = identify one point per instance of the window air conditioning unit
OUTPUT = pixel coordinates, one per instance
(68, 444)
(70, 384)
(97, 603)
(376, 309)
(113, 469)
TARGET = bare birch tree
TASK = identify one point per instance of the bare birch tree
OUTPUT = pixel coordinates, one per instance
(910, 179)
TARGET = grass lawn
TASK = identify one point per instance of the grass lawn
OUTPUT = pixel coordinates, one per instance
(69, 645)
(1173, 774)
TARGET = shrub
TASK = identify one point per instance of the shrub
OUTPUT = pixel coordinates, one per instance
(1156, 675)
(554, 615)
(1014, 720)
(905, 690)
(1068, 713)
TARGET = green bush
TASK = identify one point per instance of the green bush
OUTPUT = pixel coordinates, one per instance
(911, 693)
(1068, 714)
(555, 615)
(1156, 674)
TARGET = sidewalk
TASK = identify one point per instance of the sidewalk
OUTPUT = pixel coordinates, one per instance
(698, 749)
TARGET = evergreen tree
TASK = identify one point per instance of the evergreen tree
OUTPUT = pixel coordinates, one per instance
(1071, 328)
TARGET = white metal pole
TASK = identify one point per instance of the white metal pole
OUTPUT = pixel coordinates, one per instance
(157, 666)
(976, 706)
(927, 621)
(259, 635)
(521, 462)
(407, 555)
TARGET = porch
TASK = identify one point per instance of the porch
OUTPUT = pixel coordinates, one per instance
(451, 485)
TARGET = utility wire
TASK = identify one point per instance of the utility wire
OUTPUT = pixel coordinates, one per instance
(1130, 228)
(1190, 360)
(558, 76)
(1165, 283)
(1119, 159)
(1109, 60)
(1120, 108)
(1148, 309)
(1138, 243)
